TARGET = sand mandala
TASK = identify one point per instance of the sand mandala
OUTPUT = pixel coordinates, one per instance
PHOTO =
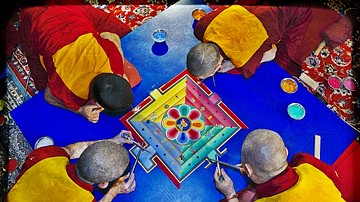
(182, 124)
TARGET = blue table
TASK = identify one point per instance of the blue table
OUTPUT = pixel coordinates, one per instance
(259, 102)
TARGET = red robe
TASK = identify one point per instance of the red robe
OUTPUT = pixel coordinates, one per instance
(65, 50)
(45, 175)
(295, 30)
(289, 181)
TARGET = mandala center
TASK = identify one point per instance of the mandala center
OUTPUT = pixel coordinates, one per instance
(183, 124)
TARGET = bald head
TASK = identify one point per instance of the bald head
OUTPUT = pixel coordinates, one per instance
(265, 152)
(102, 162)
(202, 59)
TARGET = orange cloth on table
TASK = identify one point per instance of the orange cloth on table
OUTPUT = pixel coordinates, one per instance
(249, 34)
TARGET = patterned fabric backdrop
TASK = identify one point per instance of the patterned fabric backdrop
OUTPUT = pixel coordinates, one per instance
(335, 63)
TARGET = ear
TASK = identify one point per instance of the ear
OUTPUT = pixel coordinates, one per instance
(248, 170)
(103, 185)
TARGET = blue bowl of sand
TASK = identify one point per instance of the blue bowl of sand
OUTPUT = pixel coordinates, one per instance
(159, 35)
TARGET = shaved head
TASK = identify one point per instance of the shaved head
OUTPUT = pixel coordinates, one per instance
(265, 152)
(202, 59)
(102, 161)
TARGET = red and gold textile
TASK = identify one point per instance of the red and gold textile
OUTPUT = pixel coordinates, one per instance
(74, 51)
(46, 175)
(249, 32)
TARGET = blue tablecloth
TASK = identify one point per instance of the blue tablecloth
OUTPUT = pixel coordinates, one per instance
(258, 101)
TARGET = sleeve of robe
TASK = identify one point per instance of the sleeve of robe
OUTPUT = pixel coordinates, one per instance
(37, 72)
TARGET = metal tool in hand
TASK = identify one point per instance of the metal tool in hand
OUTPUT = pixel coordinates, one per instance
(127, 137)
(221, 178)
(227, 164)
(136, 160)
(122, 179)
(235, 167)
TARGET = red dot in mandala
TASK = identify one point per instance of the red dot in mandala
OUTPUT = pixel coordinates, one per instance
(174, 113)
(194, 114)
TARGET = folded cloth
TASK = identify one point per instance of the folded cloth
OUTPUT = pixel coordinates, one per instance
(338, 32)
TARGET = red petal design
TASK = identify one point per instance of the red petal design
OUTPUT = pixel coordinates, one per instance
(172, 133)
(194, 134)
(174, 113)
(194, 114)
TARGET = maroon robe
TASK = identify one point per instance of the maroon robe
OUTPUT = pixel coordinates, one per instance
(296, 31)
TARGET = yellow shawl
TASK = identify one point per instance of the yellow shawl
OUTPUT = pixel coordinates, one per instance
(238, 32)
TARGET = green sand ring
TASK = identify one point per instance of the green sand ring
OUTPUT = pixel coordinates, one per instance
(296, 111)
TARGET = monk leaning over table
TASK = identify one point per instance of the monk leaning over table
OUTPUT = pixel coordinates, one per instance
(264, 161)
(74, 53)
(237, 39)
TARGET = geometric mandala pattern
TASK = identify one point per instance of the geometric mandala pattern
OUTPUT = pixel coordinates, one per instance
(182, 124)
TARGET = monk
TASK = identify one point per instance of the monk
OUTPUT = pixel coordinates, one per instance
(48, 175)
(237, 39)
(74, 54)
(264, 161)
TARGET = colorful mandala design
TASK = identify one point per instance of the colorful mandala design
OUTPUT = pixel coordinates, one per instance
(183, 124)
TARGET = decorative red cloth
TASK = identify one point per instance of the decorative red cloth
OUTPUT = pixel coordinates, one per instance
(133, 15)
(337, 62)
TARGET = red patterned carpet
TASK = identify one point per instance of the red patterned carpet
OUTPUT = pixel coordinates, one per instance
(344, 102)
(337, 86)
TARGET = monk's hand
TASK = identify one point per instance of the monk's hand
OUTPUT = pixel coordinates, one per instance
(124, 137)
(91, 112)
(122, 186)
(226, 65)
(226, 185)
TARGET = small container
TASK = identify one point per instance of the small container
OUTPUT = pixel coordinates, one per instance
(296, 111)
(10, 165)
(44, 141)
(159, 35)
(198, 13)
(335, 82)
(350, 83)
(289, 85)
